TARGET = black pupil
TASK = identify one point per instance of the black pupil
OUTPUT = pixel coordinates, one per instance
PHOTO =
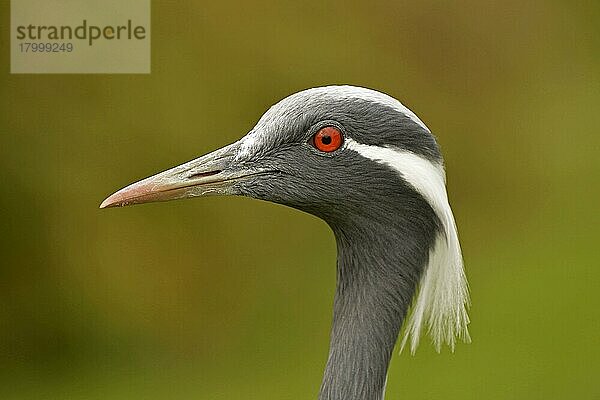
(326, 139)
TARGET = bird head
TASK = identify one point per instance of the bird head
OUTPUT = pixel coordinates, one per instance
(350, 156)
(304, 152)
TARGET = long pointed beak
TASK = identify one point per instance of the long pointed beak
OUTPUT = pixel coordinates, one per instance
(212, 174)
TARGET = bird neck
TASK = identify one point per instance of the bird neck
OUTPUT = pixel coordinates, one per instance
(377, 273)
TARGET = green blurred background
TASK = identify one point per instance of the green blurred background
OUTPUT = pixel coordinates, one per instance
(230, 298)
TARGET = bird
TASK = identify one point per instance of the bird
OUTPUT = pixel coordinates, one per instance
(372, 170)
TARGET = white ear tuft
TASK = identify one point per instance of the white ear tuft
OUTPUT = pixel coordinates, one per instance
(443, 296)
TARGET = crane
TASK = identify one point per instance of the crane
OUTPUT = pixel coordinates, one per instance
(372, 170)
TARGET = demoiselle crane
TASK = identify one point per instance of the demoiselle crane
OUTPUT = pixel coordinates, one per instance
(372, 170)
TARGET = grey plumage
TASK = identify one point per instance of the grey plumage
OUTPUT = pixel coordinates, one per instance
(385, 227)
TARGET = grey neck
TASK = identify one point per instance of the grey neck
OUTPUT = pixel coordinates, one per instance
(378, 268)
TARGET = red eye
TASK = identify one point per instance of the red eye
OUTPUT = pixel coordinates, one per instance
(328, 139)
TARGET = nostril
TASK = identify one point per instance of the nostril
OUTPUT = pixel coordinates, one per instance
(204, 174)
